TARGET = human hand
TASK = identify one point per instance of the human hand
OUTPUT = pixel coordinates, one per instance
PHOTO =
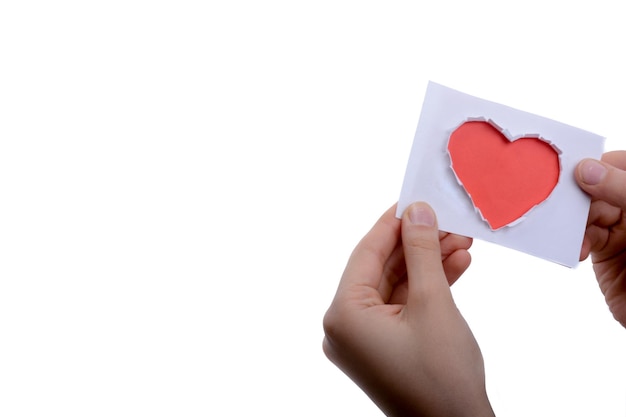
(393, 326)
(605, 237)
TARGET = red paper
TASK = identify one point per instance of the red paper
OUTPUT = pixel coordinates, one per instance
(504, 179)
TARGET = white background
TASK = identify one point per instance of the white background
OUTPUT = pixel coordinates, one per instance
(182, 182)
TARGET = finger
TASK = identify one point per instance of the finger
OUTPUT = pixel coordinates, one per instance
(366, 264)
(615, 158)
(451, 242)
(596, 238)
(422, 252)
(399, 293)
(456, 264)
(603, 214)
(454, 255)
(585, 248)
(394, 272)
(602, 181)
(393, 286)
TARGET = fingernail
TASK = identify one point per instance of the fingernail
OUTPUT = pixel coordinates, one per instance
(592, 172)
(420, 215)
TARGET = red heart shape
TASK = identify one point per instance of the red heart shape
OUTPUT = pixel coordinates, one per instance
(505, 178)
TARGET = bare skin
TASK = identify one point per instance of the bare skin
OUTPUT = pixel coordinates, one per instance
(605, 237)
(393, 326)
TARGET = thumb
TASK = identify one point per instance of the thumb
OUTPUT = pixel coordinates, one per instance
(422, 251)
(602, 181)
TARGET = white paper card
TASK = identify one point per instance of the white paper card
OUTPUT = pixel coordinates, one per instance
(553, 230)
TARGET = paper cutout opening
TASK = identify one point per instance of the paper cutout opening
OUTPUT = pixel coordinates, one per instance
(504, 177)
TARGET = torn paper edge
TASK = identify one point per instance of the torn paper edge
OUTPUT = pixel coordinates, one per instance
(511, 139)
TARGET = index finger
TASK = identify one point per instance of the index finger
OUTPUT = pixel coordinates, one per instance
(615, 158)
(366, 264)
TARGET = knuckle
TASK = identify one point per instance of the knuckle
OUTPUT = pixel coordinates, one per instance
(332, 324)
(614, 189)
(425, 243)
(334, 328)
(329, 350)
